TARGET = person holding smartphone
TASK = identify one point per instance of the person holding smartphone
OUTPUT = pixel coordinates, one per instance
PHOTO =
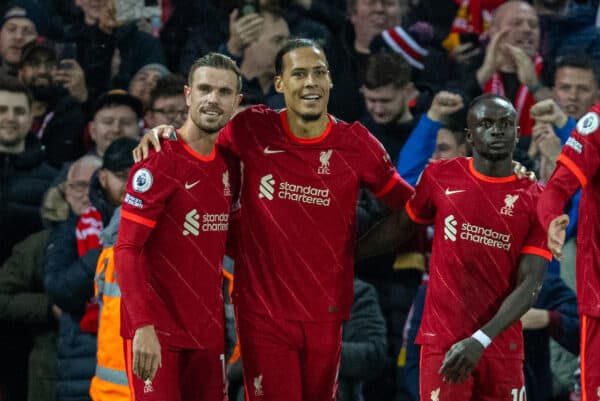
(58, 117)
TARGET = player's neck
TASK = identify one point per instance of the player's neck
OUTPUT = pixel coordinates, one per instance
(306, 129)
(200, 141)
(497, 169)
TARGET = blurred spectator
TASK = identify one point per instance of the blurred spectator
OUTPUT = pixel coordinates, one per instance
(70, 265)
(58, 119)
(144, 81)
(167, 102)
(387, 91)
(567, 27)
(21, 23)
(102, 41)
(258, 60)
(349, 51)
(22, 296)
(116, 114)
(24, 176)
(512, 65)
(576, 84)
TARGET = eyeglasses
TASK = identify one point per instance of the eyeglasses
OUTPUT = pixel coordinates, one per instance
(172, 112)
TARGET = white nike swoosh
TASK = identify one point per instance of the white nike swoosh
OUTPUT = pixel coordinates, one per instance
(271, 151)
(448, 192)
(192, 185)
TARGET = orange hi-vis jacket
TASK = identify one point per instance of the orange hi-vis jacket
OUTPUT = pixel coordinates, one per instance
(110, 381)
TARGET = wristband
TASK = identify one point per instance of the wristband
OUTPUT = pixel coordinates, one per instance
(482, 338)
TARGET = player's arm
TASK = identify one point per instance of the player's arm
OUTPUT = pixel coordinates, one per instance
(131, 267)
(385, 236)
(463, 356)
(149, 186)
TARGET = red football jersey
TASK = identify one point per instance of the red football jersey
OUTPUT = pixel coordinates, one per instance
(171, 244)
(579, 166)
(295, 241)
(482, 226)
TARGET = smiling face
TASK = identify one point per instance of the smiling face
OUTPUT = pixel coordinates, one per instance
(15, 119)
(305, 82)
(521, 21)
(212, 98)
(492, 129)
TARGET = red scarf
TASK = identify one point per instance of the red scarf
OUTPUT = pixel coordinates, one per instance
(89, 227)
(524, 99)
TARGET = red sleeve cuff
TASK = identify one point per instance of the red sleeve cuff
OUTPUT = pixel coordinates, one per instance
(138, 219)
(534, 250)
(412, 215)
(573, 168)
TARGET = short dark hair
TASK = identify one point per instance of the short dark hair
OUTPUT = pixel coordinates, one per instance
(386, 68)
(293, 44)
(13, 85)
(577, 60)
(219, 61)
(487, 96)
(167, 86)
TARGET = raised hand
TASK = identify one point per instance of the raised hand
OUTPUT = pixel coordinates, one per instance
(444, 103)
(493, 57)
(548, 111)
(243, 31)
(525, 67)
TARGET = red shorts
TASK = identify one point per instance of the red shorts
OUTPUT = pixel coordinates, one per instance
(493, 379)
(185, 375)
(289, 360)
(590, 358)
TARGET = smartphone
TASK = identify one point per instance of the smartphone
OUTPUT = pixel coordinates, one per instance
(65, 51)
(246, 7)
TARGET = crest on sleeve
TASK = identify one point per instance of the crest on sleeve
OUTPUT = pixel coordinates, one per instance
(588, 123)
(142, 180)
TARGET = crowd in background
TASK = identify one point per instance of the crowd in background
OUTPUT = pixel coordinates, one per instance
(78, 88)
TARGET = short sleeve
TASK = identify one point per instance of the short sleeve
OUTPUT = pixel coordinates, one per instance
(421, 208)
(379, 174)
(150, 183)
(581, 153)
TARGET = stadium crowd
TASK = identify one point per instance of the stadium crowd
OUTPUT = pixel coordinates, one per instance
(79, 88)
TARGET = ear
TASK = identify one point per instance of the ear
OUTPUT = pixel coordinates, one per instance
(92, 130)
(278, 84)
(468, 137)
(237, 101)
(187, 91)
(103, 178)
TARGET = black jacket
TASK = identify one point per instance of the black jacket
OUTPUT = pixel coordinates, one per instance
(24, 178)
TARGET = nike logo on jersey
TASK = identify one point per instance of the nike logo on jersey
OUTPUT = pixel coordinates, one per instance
(272, 151)
(448, 192)
(192, 185)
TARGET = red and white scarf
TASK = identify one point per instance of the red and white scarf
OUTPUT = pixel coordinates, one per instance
(524, 99)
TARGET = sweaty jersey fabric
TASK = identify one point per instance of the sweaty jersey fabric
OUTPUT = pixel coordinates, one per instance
(578, 165)
(482, 227)
(297, 227)
(171, 244)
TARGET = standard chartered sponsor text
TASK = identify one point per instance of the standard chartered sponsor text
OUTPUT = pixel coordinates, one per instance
(485, 236)
(305, 194)
(215, 222)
